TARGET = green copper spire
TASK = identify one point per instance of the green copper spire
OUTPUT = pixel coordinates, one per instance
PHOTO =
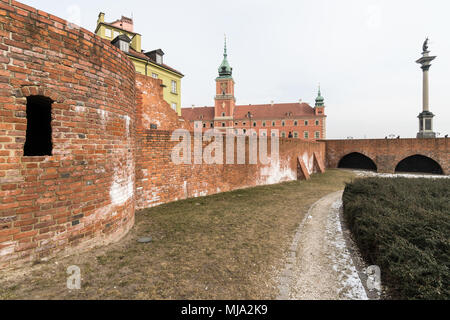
(225, 71)
(319, 99)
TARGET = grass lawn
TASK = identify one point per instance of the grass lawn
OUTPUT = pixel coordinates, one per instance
(225, 246)
(403, 226)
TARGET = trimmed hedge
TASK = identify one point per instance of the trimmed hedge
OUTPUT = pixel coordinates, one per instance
(403, 226)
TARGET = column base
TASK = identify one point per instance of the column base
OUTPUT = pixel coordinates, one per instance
(426, 135)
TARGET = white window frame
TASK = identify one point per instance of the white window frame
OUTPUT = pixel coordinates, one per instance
(174, 86)
(108, 33)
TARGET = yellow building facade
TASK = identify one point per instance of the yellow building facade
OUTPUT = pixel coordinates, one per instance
(147, 63)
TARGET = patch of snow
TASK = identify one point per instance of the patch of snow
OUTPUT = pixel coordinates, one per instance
(350, 283)
(397, 175)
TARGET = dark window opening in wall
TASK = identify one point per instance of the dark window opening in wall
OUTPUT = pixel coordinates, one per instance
(419, 164)
(357, 160)
(427, 124)
(39, 129)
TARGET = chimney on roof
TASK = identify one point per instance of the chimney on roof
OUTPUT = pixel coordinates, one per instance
(193, 106)
(272, 103)
(300, 101)
(101, 18)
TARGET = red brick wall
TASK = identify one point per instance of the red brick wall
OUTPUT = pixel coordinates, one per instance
(83, 194)
(387, 153)
(151, 108)
(159, 180)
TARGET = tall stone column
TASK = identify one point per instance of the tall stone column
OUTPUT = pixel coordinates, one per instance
(426, 117)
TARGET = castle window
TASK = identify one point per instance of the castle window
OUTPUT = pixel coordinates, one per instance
(236, 123)
(306, 135)
(223, 114)
(273, 134)
(39, 129)
(115, 34)
(283, 123)
(245, 131)
(204, 125)
(306, 122)
(317, 122)
(295, 134)
(243, 123)
(317, 134)
(108, 33)
(212, 124)
(295, 123)
(223, 124)
(273, 124)
(283, 134)
(254, 124)
(264, 124)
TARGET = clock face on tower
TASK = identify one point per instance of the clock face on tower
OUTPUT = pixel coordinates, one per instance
(224, 88)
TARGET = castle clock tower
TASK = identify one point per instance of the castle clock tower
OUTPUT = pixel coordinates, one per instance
(224, 100)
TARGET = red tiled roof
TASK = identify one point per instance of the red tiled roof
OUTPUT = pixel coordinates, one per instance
(261, 111)
(142, 56)
(276, 111)
(198, 114)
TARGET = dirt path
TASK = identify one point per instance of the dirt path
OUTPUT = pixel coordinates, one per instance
(320, 265)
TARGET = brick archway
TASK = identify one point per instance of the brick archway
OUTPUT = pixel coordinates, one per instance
(420, 164)
(357, 160)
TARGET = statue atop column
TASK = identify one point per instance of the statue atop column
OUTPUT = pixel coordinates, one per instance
(426, 117)
(425, 45)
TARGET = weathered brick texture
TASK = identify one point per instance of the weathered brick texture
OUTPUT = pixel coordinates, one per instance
(152, 109)
(83, 194)
(159, 180)
(387, 153)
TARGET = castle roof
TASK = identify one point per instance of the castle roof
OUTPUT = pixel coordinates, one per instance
(143, 56)
(260, 111)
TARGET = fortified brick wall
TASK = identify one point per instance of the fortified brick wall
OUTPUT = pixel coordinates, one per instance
(82, 195)
(159, 180)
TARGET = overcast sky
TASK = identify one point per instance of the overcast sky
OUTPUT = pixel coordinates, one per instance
(363, 53)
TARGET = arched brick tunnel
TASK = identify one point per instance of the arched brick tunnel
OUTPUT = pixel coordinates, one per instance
(419, 163)
(390, 155)
(357, 160)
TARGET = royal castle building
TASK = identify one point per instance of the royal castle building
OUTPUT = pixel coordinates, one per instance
(288, 120)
